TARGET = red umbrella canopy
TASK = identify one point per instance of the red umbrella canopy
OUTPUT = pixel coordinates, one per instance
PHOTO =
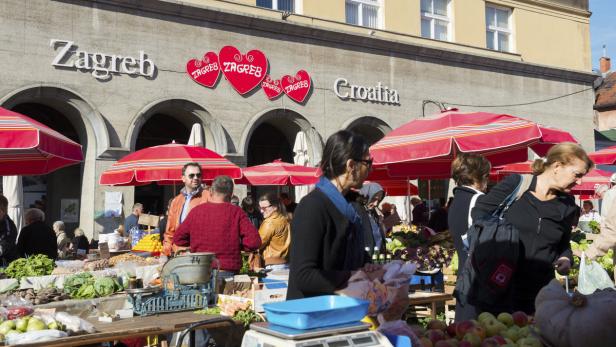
(279, 173)
(425, 147)
(164, 164)
(606, 156)
(398, 187)
(28, 147)
(591, 181)
(524, 167)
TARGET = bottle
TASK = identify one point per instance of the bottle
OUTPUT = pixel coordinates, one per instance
(375, 256)
(367, 249)
(388, 258)
(381, 258)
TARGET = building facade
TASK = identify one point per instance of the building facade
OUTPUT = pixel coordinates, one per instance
(112, 75)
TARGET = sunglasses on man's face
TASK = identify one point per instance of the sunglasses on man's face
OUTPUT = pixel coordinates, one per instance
(194, 175)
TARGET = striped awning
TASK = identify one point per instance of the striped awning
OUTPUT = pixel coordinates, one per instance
(279, 173)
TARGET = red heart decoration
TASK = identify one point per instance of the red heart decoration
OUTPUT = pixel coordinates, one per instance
(244, 72)
(272, 88)
(297, 87)
(204, 71)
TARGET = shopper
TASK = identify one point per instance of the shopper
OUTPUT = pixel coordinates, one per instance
(274, 232)
(606, 240)
(420, 212)
(193, 194)
(80, 242)
(218, 226)
(609, 198)
(588, 214)
(37, 237)
(63, 242)
(326, 232)
(544, 216)
(289, 204)
(372, 221)
(8, 235)
(249, 206)
(470, 172)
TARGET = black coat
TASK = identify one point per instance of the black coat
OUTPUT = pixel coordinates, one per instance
(38, 238)
(319, 236)
(545, 232)
(8, 244)
(457, 219)
(369, 241)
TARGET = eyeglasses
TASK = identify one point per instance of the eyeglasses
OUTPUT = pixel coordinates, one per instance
(263, 208)
(193, 175)
(368, 162)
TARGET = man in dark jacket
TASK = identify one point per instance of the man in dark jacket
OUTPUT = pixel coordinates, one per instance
(8, 234)
(37, 237)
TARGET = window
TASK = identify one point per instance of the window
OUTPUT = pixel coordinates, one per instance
(435, 21)
(280, 5)
(498, 28)
(363, 12)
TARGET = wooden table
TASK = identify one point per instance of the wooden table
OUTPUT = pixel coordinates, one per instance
(432, 298)
(136, 327)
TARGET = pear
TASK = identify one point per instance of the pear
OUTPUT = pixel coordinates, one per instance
(35, 324)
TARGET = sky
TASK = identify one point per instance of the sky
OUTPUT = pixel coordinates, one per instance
(603, 30)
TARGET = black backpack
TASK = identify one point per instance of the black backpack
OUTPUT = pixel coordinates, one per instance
(485, 279)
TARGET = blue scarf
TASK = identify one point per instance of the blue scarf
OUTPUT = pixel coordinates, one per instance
(354, 258)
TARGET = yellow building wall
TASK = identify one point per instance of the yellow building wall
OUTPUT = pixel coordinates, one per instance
(469, 22)
(325, 9)
(402, 16)
(552, 40)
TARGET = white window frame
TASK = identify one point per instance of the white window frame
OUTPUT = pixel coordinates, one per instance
(360, 17)
(298, 6)
(433, 17)
(498, 30)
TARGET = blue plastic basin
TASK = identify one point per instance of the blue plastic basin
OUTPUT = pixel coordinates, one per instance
(316, 312)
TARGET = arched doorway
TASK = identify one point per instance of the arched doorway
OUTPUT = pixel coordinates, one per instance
(50, 192)
(162, 123)
(371, 128)
(271, 135)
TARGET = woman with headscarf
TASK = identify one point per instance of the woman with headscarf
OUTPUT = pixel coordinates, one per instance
(374, 231)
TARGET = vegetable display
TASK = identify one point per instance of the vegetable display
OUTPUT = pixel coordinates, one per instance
(36, 265)
(86, 286)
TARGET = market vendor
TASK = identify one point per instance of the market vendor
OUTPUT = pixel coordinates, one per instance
(193, 194)
(220, 227)
(8, 235)
(327, 241)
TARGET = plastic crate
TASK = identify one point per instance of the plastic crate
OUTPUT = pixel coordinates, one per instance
(427, 281)
(316, 312)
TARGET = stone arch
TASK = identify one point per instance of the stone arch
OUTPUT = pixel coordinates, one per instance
(372, 128)
(289, 122)
(185, 111)
(88, 123)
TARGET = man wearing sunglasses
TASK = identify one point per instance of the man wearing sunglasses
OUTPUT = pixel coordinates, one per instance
(190, 196)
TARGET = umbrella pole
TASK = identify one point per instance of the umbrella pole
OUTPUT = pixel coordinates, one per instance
(408, 201)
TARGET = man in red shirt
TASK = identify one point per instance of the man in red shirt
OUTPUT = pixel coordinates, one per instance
(219, 227)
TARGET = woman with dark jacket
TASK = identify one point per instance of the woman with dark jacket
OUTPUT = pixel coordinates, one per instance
(544, 216)
(471, 173)
(326, 230)
(374, 230)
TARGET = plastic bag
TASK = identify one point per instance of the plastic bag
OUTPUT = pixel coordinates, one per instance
(35, 336)
(17, 307)
(74, 324)
(592, 277)
(398, 328)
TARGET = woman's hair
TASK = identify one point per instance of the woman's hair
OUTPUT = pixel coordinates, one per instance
(59, 224)
(340, 147)
(275, 201)
(469, 168)
(247, 203)
(79, 232)
(589, 203)
(563, 153)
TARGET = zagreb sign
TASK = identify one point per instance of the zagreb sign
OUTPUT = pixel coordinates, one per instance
(245, 72)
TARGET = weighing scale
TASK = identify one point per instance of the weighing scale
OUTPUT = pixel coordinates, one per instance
(356, 334)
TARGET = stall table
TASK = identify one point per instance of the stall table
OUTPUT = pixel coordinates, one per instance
(432, 298)
(136, 327)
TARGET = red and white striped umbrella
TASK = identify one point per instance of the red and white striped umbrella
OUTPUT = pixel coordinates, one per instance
(163, 164)
(279, 173)
(425, 147)
(28, 147)
(606, 156)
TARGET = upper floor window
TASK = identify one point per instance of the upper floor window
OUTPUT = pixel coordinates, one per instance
(498, 28)
(435, 21)
(280, 5)
(363, 12)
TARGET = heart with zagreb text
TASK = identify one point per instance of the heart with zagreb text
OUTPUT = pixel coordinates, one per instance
(296, 87)
(243, 71)
(205, 71)
(272, 88)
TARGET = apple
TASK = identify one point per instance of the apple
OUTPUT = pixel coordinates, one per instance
(437, 324)
(483, 316)
(493, 327)
(7, 326)
(35, 324)
(425, 342)
(505, 318)
(479, 331)
(444, 343)
(524, 331)
(529, 342)
(463, 327)
(520, 318)
(473, 338)
(451, 329)
(465, 344)
(501, 340)
(453, 342)
(489, 342)
(418, 330)
(513, 333)
(435, 335)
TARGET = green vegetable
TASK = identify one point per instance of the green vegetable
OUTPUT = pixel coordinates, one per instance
(104, 286)
(246, 317)
(210, 310)
(37, 265)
